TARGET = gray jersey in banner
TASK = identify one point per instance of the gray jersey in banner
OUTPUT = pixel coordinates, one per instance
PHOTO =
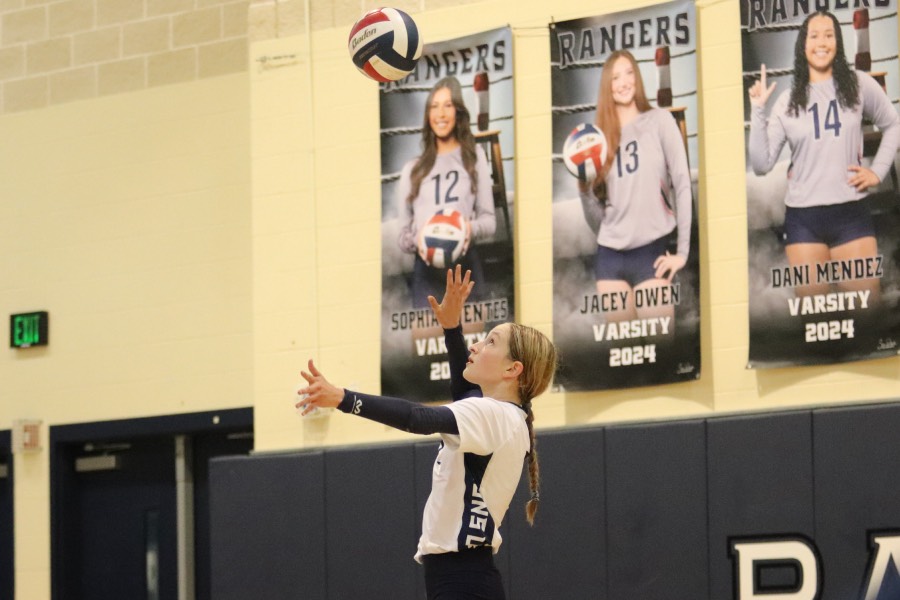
(626, 308)
(822, 193)
(447, 175)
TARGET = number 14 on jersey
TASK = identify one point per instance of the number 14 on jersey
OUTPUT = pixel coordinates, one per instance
(832, 119)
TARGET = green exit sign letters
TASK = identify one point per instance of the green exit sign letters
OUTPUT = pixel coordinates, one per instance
(29, 329)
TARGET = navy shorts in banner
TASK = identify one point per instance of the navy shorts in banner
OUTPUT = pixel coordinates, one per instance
(832, 225)
(466, 575)
(634, 266)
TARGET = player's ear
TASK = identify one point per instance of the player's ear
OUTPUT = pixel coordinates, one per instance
(514, 370)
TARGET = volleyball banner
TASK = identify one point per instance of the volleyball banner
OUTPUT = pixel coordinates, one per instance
(822, 131)
(626, 309)
(447, 177)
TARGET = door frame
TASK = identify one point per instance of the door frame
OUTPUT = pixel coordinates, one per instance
(61, 481)
(8, 572)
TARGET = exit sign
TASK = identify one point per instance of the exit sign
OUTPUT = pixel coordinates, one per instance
(28, 329)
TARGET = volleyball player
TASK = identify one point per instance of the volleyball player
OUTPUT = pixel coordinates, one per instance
(821, 119)
(641, 196)
(453, 173)
(484, 440)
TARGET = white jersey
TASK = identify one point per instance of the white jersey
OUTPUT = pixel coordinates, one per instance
(475, 476)
(648, 187)
(448, 185)
(825, 139)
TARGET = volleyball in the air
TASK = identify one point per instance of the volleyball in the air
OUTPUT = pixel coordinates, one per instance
(385, 44)
(443, 238)
(585, 151)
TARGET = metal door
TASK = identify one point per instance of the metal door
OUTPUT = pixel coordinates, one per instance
(120, 536)
(129, 509)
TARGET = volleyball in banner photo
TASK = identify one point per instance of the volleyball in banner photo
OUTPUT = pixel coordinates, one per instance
(823, 201)
(626, 308)
(447, 199)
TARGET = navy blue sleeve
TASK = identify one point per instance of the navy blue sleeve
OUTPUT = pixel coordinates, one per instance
(400, 414)
(459, 355)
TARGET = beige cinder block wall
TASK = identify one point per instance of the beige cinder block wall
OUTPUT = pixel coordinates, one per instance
(124, 212)
(58, 51)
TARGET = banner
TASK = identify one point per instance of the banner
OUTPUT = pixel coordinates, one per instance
(447, 177)
(822, 190)
(625, 251)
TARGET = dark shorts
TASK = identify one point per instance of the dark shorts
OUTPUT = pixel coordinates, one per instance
(831, 225)
(466, 575)
(634, 266)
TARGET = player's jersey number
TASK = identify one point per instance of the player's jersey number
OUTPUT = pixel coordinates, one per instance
(445, 183)
(832, 119)
(627, 163)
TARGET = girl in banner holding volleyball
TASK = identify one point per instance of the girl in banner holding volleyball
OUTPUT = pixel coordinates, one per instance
(486, 434)
(451, 173)
(641, 196)
(820, 118)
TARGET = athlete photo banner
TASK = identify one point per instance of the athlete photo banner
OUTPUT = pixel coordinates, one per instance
(626, 309)
(823, 211)
(447, 175)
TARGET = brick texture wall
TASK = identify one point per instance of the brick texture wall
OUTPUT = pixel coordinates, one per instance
(56, 51)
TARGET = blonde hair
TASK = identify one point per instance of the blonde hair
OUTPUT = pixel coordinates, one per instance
(538, 357)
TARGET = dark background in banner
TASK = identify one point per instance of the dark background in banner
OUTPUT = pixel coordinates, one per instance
(407, 369)
(778, 339)
(585, 362)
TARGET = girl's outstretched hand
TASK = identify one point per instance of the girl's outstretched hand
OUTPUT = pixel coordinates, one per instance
(449, 311)
(319, 393)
